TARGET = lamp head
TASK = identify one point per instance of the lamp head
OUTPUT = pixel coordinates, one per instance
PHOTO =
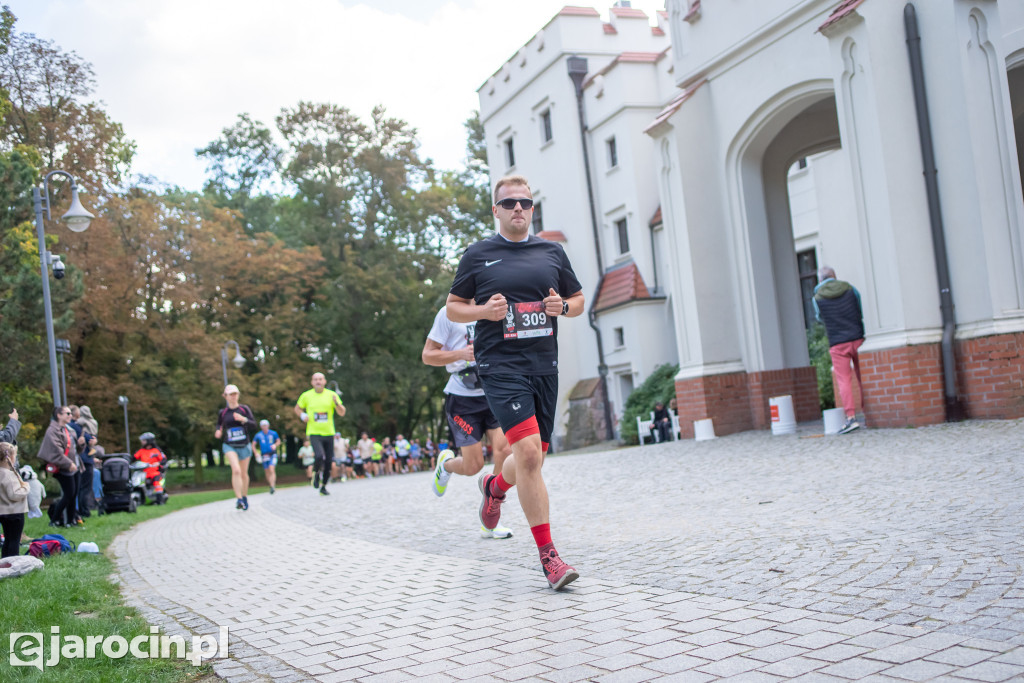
(238, 361)
(77, 218)
(122, 400)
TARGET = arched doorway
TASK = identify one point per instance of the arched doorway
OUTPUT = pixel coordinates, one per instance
(1015, 78)
(799, 123)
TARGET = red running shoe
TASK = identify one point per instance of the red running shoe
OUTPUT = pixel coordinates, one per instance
(490, 507)
(559, 574)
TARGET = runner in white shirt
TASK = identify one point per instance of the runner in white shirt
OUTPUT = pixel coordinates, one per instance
(450, 344)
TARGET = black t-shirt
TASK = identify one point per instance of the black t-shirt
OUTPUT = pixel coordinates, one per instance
(523, 272)
(234, 432)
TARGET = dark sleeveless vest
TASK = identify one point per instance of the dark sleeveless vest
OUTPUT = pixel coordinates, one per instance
(843, 319)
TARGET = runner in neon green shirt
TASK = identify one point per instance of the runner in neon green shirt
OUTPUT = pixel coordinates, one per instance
(316, 407)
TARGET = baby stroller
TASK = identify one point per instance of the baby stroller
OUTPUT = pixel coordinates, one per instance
(115, 475)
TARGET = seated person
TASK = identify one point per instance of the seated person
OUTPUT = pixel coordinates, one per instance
(153, 456)
(662, 422)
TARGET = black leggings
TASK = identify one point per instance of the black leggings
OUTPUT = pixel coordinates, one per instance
(12, 525)
(86, 501)
(323, 448)
(67, 507)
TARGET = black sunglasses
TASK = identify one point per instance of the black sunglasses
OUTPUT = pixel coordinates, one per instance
(510, 203)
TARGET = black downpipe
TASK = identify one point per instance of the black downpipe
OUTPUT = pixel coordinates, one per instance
(577, 72)
(954, 408)
(654, 260)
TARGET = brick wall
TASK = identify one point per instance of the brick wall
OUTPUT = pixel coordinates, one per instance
(739, 401)
(902, 388)
(990, 374)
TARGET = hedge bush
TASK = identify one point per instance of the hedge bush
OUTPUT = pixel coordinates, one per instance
(659, 386)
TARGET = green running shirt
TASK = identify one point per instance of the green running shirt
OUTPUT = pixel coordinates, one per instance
(320, 408)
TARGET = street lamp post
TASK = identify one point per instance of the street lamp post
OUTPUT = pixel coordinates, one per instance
(77, 219)
(123, 402)
(238, 361)
(333, 386)
(63, 347)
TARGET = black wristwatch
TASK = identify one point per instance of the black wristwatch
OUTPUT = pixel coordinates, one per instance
(565, 307)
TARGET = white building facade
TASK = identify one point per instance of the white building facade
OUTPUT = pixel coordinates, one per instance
(765, 83)
(530, 114)
(772, 136)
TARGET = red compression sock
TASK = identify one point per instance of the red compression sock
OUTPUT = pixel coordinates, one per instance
(499, 484)
(541, 534)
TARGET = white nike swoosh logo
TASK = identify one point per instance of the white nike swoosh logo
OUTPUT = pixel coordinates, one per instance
(487, 264)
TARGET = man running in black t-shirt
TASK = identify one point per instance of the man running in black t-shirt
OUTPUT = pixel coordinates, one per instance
(516, 285)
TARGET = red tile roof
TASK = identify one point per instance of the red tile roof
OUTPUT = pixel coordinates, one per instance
(629, 12)
(552, 235)
(639, 57)
(621, 285)
(656, 219)
(655, 31)
(844, 8)
(579, 11)
(609, 29)
(674, 105)
(628, 57)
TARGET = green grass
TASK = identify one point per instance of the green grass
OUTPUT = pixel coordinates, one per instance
(74, 591)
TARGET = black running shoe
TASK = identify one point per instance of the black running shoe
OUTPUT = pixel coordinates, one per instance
(323, 491)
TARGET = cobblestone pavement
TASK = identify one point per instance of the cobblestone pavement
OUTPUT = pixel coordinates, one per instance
(889, 555)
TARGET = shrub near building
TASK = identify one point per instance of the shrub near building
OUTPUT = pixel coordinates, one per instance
(660, 385)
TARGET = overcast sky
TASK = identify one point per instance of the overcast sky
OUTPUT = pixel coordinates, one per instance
(175, 73)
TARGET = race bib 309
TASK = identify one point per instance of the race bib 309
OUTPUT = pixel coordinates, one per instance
(527, 319)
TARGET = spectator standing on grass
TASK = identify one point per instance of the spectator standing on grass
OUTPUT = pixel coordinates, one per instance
(57, 450)
(837, 305)
(13, 500)
(84, 477)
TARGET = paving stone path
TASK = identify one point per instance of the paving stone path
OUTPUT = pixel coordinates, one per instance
(888, 555)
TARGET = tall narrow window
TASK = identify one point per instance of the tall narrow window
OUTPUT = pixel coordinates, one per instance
(623, 234)
(807, 265)
(613, 153)
(620, 337)
(538, 218)
(510, 153)
(545, 126)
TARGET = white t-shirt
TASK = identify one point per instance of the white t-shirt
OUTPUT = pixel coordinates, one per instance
(453, 336)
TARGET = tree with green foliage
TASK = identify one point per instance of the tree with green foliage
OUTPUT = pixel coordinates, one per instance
(388, 227)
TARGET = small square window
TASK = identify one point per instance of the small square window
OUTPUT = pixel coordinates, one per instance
(538, 218)
(622, 233)
(545, 126)
(620, 337)
(510, 153)
(613, 153)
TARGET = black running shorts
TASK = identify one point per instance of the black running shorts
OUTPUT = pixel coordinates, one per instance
(523, 404)
(469, 418)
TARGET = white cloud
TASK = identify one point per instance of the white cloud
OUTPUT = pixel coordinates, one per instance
(176, 73)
